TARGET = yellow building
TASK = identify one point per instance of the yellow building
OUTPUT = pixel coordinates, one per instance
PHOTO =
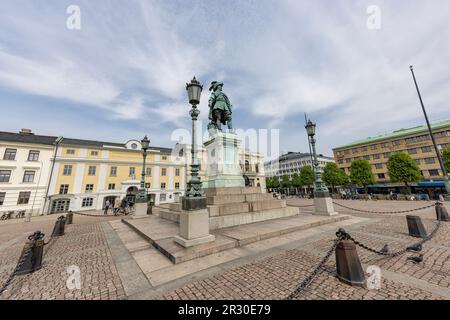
(415, 141)
(88, 173)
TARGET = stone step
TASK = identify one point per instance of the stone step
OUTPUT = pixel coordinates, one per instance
(238, 198)
(267, 205)
(210, 192)
(225, 221)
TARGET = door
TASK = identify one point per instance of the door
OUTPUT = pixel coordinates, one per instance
(60, 205)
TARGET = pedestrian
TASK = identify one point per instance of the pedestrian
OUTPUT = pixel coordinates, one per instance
(116, 205)
(107, 204)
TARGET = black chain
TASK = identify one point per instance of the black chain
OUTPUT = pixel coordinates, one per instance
(386, 212)
(94, 215)
(305, 283)
(33, 238)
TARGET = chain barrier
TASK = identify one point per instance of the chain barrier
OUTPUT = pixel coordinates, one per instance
(341, 234)
(386, 212)
(34, 237)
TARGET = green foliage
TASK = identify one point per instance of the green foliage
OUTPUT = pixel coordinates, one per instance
(285, 181)
(275, 182)
(296, 181)
(402, 168)
(361, 173)
(269, 182)
(446, 156)
(333, 176)
(306, 176)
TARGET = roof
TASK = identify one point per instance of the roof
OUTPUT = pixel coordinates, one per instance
(50, 140)
(295, 155)
(398, 133)
(26, 138)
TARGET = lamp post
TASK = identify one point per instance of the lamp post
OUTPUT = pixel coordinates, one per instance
(438, 153)
(194, 198)
(142, 196)
(320, 188)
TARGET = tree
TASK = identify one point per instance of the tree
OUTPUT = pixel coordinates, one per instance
(285, 181)
(269, 182)
(402, 168)
(296, 182)
(333, 176)
(306, 176)
(446, 158)
(275, 182)
(361, 173)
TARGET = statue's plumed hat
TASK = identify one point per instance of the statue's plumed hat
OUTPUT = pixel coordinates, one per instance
(214, 85)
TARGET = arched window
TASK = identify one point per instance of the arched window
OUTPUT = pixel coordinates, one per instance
(247, 166)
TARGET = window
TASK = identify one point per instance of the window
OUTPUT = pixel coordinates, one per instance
(412, 151)
(430, 160)
(113, 172)
(111, 186)
(396, 142)
(64, 189)
(363, 148)
(247, 166)
(257, 168)
(367, 157)
(33, 155)
(89, 187)
(433, 173)
(418, 161)
(348, 160)
(91, 170)
(24, 197)
(347, 151)
(5, 175)
(163, 172)
(147, 185)
(384, 145)
(133, 146)
(164, 157)
(2, 197)
(354, 150)
(162, 197)
(376, 156)
(426, 149)
(148, 172)
(67, 170)
(163, 185)
(10, 154)
(94, 153)
(381, 176)
(28, 176)
(418, 138)
(340, 161)
(373, 147)
(177, 172)
(387, 154)
(70, 151)
(132, 171)
(379, 166)
(87, 202)
(177, 185)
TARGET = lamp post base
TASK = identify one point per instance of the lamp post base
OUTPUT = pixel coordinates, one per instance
(197, 203)
(323, 204)
(194, 228)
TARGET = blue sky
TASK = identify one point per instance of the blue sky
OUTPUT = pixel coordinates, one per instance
(123, 74)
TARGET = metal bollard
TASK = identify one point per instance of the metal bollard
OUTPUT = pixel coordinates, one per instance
(415, 227)
(441, 212)
(69, 218)
(31, 257)
(59, 228)
(348, 265)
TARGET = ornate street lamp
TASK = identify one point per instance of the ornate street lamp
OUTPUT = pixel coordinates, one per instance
(320, 188)
(142, 196)
(195, 197)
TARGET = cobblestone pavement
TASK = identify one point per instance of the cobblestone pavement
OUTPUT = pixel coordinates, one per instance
(269, 277)
(83, 245)
(277, 276)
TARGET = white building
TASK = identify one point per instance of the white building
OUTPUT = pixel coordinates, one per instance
(291, 163)
(25, 165)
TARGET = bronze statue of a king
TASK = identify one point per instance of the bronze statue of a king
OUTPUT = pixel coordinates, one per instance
(219, 108)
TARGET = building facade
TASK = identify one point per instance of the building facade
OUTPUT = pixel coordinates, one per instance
(88, 173)
(291, 163)
(25, 164)
(414, 141)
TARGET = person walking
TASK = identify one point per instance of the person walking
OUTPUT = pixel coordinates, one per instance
(107, 204)
(116, 205)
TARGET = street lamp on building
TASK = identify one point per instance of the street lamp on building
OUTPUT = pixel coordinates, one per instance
(142, 196)
(195, 197)
(320, 188)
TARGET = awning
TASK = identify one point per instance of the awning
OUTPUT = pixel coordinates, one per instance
(431, 184)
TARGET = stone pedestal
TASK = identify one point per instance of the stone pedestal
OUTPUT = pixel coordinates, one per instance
(223, 168)
(141, 210)
(323, 204)
(194, 228)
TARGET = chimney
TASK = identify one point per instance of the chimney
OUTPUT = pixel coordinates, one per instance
(25, 132)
